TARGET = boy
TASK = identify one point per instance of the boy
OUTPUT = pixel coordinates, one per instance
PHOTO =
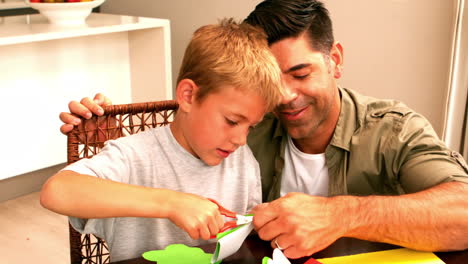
(142, 192)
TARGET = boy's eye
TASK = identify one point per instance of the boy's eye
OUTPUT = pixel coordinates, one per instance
(231, 122)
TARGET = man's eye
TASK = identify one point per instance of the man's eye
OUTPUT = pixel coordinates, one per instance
(300, 77)
(230, 122)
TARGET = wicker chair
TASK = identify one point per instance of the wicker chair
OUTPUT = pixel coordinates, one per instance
(87, 139)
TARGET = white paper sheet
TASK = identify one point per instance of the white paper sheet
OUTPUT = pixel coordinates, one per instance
(230, 243)
(279, 257)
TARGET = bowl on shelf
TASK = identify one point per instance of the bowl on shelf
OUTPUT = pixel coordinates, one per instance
(66, 13)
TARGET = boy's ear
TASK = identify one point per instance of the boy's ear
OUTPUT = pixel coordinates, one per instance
(185, 94)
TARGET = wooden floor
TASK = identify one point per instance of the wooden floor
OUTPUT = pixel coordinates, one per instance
(31, 234)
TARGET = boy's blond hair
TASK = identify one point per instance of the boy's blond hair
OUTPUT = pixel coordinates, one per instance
(232, 54)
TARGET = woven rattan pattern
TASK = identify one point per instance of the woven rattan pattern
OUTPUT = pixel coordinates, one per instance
(87, 139)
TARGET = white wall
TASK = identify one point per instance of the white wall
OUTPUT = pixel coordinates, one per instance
(397, 49)
(185, 16)
(393, 48)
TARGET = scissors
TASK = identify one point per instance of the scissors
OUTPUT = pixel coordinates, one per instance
(240, 219)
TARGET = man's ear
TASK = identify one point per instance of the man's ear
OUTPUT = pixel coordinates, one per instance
(185, 94)
(336, 55)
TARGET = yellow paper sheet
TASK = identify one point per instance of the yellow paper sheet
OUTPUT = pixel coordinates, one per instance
(394, 256)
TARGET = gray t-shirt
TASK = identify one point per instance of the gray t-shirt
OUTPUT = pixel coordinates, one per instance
(154, 159)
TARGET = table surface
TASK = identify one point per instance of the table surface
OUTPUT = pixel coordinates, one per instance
(254, 249)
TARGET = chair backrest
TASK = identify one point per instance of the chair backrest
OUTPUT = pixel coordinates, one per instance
(87, 139)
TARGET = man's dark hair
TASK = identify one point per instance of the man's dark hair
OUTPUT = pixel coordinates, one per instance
(282, 19)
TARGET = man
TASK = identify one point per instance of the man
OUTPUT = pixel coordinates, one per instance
(344, 165)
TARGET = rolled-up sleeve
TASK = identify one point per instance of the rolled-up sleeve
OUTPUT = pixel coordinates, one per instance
(423, 160)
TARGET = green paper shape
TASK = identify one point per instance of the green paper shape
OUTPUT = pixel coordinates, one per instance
(221, 235)
(265, 260)
(179, 254)
(227, 232)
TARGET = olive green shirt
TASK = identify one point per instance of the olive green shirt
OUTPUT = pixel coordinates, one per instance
(378, 147)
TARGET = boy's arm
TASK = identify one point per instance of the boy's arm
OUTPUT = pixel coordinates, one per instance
(84, 196)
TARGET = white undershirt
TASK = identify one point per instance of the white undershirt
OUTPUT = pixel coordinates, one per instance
(306, 173)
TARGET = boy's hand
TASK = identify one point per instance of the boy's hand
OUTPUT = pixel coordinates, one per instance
(198, 216)
(85, 108)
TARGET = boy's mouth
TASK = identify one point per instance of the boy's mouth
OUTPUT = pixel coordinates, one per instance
(223, 153)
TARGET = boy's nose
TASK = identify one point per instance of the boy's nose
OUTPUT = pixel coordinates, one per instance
(239, 138)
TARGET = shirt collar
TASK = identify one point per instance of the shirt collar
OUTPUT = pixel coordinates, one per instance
(280, 131)
(350, 119)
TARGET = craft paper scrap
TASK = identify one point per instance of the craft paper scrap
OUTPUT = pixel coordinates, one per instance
(231, 242)
(178, 254)
(312, 261)
(278, 258)
(394, 256)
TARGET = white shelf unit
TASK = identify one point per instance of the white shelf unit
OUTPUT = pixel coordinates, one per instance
(43, 67)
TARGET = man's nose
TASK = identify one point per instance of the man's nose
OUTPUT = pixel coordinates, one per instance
(289, 93)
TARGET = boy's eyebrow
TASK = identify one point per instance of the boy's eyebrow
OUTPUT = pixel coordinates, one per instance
(297, 67)
(240, 116)
(245, 118)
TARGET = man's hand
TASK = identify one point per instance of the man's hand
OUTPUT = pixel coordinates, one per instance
(300, 224)
(85, 108)
(198, 216)
(304, 224)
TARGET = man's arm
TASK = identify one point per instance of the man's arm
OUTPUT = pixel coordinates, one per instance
(431, 220)
(84, 196)
(85, 108)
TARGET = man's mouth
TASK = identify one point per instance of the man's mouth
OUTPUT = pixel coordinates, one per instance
(293, 114)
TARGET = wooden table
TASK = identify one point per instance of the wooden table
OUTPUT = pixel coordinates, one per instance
(254, 249)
